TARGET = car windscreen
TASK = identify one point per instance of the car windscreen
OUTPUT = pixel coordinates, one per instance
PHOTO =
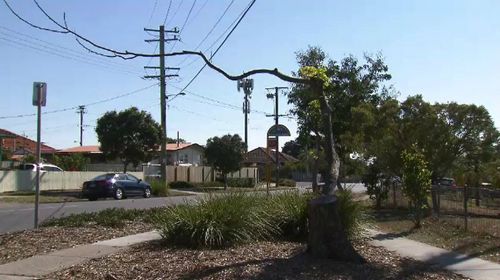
(103, 177)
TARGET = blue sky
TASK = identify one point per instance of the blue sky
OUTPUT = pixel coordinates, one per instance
(444, 50)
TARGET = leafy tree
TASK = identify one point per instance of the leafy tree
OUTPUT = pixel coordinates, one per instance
(73, 162)
(345, 85)
(375, 184)
(6, 154)
(130, 135)
(293, 148)
(225, 154)
(416, 182)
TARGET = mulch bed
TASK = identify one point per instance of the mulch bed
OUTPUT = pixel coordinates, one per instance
(19, 245)
(263, 260)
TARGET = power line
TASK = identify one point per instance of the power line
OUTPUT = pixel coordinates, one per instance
(184, 24)
(76, 107)
(68, 50)
(55, 52)
(175, 13)
(209, 32)
(222, 44)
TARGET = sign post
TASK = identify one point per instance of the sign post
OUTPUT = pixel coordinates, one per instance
(39, 100)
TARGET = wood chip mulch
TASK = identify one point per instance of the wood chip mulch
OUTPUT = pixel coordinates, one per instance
(19, 245)
(263, 260)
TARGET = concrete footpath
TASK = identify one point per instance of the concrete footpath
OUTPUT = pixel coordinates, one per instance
(37, 266)
(40, 265)
(467, 266)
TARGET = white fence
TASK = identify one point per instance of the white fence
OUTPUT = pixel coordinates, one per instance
(197, 174)
(21, 180)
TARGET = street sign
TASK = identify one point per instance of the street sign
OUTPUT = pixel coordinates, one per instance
(278, 130)
(39, 91)
(272, 143)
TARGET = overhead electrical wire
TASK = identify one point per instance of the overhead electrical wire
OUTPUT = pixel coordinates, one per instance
(220, 46)
(76, 107)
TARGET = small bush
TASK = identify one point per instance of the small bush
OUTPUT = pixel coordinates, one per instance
(159, 188)
(351, 213)
(287, 183)
(289, 211)
(241, 182)
(217, 221)
(215, 184)
(181, 185)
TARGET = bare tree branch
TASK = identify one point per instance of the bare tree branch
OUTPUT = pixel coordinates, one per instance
(29, 23)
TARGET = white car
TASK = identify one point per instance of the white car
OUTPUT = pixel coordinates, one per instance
(43, 167)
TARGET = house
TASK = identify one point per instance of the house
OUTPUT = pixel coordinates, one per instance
(93, 153)
(185, 153)
(20, 146)
(259, 157)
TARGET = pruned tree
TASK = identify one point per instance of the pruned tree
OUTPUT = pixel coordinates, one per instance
(131, 135)
(225, 154)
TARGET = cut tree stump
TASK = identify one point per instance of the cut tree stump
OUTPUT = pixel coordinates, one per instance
(327, 238)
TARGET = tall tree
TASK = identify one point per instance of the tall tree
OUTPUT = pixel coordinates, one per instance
(345, 85)
(131, 135)
(225, 154)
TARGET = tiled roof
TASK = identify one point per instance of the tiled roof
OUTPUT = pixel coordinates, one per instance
(45, 149)
(173, 146)
(93, 149)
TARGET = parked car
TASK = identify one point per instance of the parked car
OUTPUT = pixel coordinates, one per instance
(446, 182)
(43, 167)
(116, 185)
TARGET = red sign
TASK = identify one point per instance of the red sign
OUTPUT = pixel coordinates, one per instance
(272, 143)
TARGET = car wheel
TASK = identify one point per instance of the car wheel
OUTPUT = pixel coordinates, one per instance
(118, 194)
(147, 192)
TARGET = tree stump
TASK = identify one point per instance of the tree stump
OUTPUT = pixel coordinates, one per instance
(327, 238)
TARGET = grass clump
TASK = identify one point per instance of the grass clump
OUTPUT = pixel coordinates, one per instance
(159, 188)
(289, 212)
(217, 222)
(352, 214)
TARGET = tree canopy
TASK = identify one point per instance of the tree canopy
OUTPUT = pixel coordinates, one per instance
(225, 153)
(130, 135)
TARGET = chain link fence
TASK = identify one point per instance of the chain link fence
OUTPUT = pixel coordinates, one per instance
(475, 209)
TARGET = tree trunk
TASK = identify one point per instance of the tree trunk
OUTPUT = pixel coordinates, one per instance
(332, 158)
(125, 167)
(225, 181)
(327, 238)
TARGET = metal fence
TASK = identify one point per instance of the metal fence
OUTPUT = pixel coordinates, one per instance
(474, 209)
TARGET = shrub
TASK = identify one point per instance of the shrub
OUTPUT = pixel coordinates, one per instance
(351, 213)
(241, 182)
(181, 185)
(287, 183)
(215, 184)
(217, 221)
(159, 188)
(288, 211)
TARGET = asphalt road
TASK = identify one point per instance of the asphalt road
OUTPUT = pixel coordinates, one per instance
(15, 217)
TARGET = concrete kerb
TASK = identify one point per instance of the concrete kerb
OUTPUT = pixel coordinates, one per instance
(467, 266)
(40, 265)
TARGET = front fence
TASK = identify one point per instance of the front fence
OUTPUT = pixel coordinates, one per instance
(23, 180)
(469, 208)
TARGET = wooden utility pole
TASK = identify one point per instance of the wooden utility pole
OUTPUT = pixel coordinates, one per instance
(276, 123)
(163, 96)
(81, 111)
